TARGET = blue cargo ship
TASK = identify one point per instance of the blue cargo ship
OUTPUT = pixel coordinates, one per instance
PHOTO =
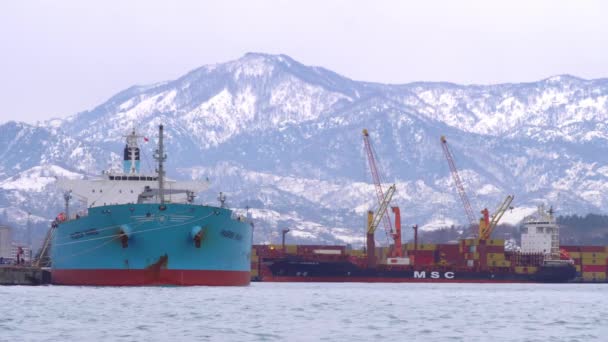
(145, 230)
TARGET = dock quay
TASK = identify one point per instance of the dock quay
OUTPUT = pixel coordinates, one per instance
(24, 275)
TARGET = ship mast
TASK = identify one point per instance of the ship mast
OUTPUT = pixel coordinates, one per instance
(67, 196)
(160, 156)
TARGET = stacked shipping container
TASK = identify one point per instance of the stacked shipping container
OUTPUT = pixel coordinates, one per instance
(424, 254)
(591, 262)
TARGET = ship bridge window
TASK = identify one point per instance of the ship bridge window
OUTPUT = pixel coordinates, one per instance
(124, 178)
(539, 229)
(111, 177)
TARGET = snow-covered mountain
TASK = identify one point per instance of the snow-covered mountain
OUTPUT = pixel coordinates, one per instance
(285, 140)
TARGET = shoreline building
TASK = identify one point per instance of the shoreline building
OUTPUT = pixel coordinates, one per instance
(5, 243)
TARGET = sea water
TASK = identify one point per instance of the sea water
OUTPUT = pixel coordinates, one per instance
(307, 312)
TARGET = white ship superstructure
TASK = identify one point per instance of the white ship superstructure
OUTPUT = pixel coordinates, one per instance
(540, 234)
(130, 186)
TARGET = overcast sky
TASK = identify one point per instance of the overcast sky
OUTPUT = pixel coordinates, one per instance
(62, 57)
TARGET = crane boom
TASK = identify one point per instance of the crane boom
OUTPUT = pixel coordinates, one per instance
(377, 183)
(458, 182)
(486, 232)
(380, 213)
(372, 223)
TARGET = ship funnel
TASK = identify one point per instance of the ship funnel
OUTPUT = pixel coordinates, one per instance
(131, 161)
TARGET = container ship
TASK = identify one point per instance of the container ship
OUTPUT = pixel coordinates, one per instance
(143, 229)
(475, 260)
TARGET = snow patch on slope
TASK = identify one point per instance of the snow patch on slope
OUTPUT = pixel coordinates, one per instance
(37, 178)
(516, 215)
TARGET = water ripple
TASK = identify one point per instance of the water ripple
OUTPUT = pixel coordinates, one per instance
(307, 312)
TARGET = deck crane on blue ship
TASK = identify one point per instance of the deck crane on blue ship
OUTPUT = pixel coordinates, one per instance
(384, 199)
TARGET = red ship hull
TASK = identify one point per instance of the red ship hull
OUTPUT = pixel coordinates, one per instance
(382, 280)
(107, 277)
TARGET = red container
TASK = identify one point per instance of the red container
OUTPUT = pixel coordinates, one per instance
(448, 247)
(450, 253)
(571, 248)
(596, 249)
(422, 255)
(495, 249)
(451, 256)
(594, 268)
(424, 260)
(419, 252)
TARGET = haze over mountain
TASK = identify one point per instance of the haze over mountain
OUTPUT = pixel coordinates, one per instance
(285, 140)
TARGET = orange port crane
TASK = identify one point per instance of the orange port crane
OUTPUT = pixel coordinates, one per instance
(373, 220)
(458, 182)
(376, 178)
(383, 202)
(487, 225)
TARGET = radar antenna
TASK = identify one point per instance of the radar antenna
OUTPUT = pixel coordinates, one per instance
(190, 196)
(222, 199)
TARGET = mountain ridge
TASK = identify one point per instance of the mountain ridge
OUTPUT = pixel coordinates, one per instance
(271, 115)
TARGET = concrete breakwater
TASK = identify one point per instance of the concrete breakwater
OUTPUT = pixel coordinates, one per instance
(23, 275)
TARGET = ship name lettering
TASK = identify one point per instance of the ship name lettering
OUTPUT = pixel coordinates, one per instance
(419, 274)
(76, 235)
(231, 235)
(92, 231)
(434, 275)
